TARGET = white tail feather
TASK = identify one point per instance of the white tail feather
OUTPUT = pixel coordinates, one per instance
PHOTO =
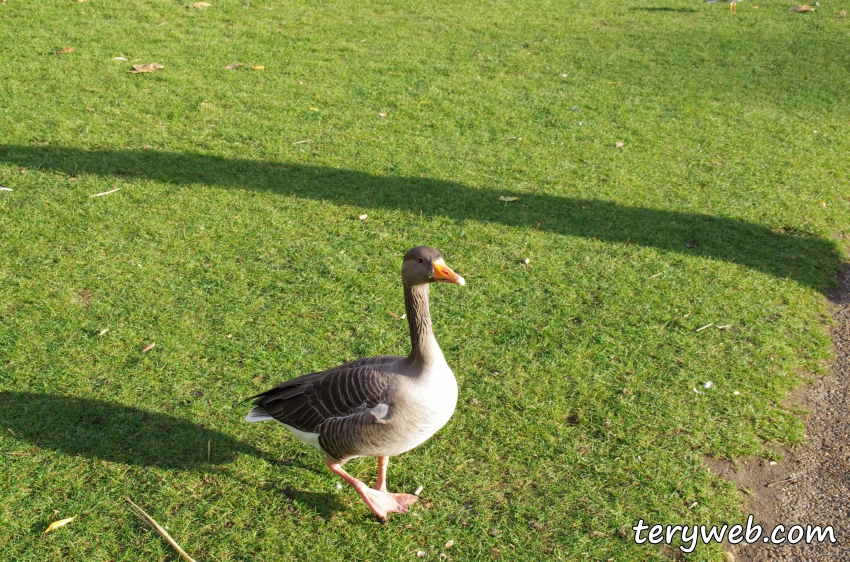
(258, 414)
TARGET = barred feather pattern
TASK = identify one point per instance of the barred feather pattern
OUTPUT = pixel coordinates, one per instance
(335, 404)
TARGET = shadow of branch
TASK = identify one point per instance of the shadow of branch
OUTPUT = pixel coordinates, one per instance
(784, 253)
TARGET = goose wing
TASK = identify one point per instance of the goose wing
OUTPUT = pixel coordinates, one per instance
(306, 402)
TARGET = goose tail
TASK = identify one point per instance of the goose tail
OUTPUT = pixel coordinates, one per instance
(258, 414)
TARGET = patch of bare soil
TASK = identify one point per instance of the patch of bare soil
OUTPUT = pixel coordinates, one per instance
(811, 485)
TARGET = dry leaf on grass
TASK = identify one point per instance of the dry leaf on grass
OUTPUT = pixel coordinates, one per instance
(142, 68)
(231, 66)
(202, 5)
(258, 67)
(619, 144)
(802, 8)
(842, 14)
(308, 315)
(65, 51)
(508, 199)
(56, 524)
(148, 347)
(118, 58)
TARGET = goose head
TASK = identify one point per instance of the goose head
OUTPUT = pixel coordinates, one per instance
(423, 265)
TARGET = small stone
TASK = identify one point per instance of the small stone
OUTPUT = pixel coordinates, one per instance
(420, 553)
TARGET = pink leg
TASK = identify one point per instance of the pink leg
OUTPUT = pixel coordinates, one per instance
(381, 482)
(380, 502)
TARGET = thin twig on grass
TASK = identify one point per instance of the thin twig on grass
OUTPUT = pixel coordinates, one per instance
(163, 533)
(106, 192)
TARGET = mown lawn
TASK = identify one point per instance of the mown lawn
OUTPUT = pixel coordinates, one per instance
(234, 244)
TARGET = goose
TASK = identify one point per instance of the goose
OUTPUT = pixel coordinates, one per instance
(733, 4)
(378, 406)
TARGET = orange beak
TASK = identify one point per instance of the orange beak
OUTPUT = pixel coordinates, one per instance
(443, 274)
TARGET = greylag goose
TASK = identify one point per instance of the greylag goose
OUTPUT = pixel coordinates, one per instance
(377, 406)
(733, 4)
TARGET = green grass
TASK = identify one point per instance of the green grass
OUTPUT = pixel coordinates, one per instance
(240, 254)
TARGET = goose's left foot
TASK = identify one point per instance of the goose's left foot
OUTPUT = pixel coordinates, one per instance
(384, 503)
(381, 502)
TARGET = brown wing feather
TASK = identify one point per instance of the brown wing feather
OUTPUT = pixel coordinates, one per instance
(306, 402)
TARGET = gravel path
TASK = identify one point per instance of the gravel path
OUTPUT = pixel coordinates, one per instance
(818, 488)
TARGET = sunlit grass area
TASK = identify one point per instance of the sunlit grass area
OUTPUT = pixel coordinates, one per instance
(682, 186)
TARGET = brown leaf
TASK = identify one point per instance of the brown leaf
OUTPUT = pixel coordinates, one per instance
(508, 199)
(842, 13)
(495, 553)
(65, 51)
(231, 66)
(149, 67)
(202, 5)
(802, 8)
(148, 347)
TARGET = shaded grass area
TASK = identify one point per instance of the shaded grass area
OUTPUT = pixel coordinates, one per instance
(239, 253)
(782, 252)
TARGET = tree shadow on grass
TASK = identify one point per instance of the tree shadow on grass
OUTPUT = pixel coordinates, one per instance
(105, 430)
(663, 9)
(783, 253)
(113, 432)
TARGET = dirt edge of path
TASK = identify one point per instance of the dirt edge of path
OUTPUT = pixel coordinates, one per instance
(811, 485)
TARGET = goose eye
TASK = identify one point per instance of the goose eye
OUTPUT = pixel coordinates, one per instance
(420, 260)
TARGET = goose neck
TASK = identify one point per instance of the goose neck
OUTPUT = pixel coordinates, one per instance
(422, 341)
